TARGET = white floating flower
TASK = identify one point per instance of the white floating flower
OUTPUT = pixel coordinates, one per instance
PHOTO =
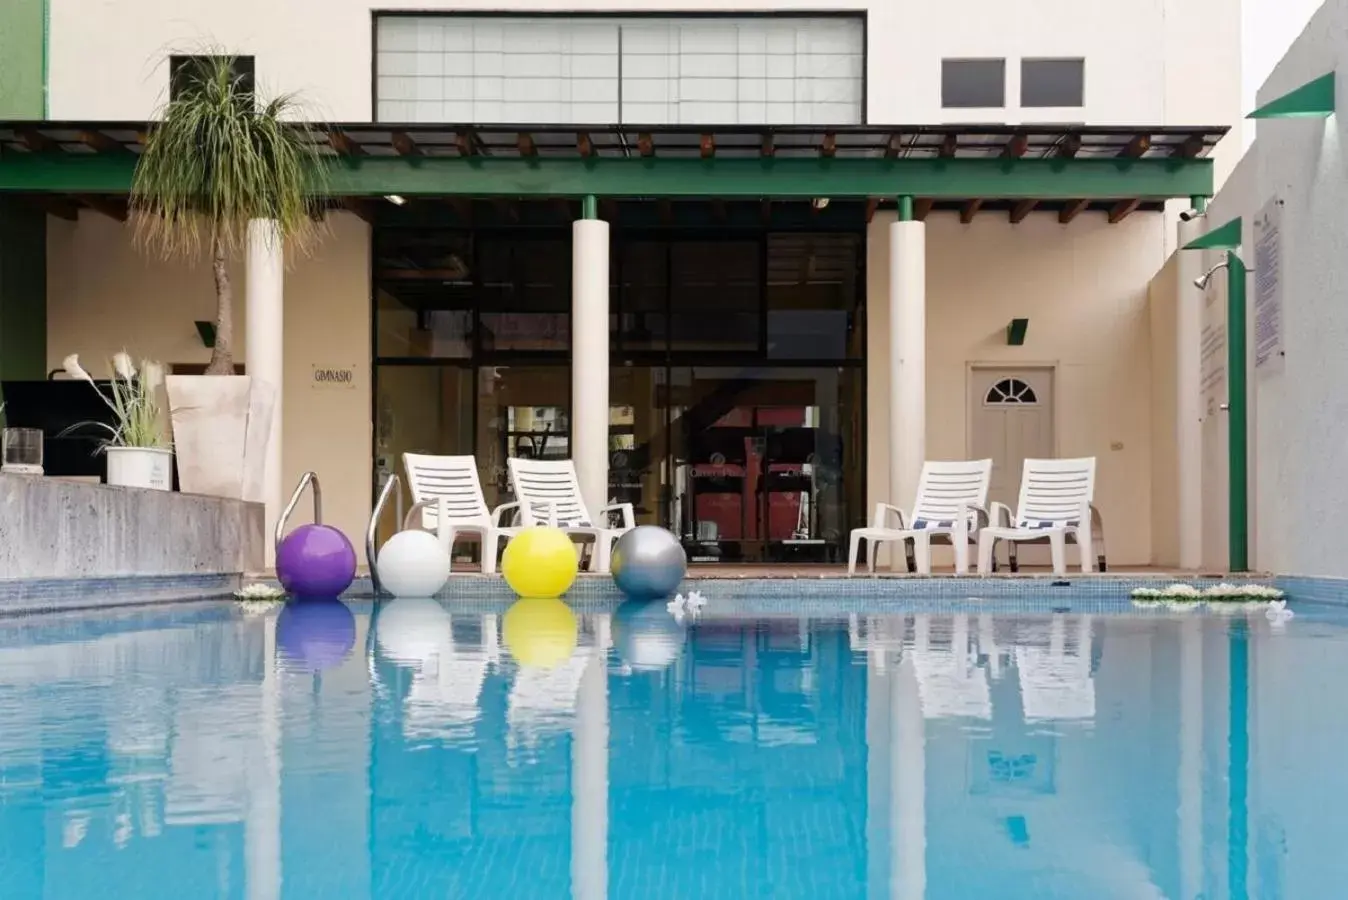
(260, 592)
(1278, 613)
(695, 601)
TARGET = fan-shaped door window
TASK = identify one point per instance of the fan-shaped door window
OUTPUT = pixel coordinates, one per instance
(1010, 391)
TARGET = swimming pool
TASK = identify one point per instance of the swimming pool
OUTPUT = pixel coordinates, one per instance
(334, 751)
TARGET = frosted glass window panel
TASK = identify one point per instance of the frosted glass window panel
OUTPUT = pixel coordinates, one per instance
(666, 71)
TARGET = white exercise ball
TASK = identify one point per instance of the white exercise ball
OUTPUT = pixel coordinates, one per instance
(412, 564)
(413, 631)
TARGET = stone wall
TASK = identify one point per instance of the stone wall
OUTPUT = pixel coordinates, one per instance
(51, 528)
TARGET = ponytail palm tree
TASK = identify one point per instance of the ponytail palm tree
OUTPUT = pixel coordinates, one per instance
(217, 158)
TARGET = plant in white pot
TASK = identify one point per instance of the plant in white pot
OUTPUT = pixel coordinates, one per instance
(139, 454)
(217, 160)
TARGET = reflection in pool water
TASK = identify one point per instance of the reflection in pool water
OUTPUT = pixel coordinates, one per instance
(415, 751)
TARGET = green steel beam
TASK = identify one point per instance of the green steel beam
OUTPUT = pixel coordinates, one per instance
(1237, 399)
(1223, 237)
(1313, 100)
(1010, 179)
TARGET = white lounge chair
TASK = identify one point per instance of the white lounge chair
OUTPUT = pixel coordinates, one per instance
(948, 509)
(454, 480)
(549, 494)
(1054, 506)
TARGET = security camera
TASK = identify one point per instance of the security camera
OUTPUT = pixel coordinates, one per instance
(1190, 214)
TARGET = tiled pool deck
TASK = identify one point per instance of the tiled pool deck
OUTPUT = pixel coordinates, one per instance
(748, 589)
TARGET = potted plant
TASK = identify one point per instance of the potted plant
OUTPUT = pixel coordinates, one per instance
(216, 160)
(138, 453)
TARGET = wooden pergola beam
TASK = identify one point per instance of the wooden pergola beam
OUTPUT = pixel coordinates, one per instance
(361, 207)
(1190, 147)
(1021, 210)
(1121, 210)
(922, 208)
(767, 148)
(58, 206)
(341, 142)
(871, 205)
(949, 144)
(894, 146)
(524, 143)
(707, 146)
(99, 141)
(584, 146)
(1139, 145)
(105, 205)
(403, 143)
(1016, 147)
(970, 209)
(1069, 146)
(1071, 210)
(464, 143)
(645, 145)
(829, 148)
(36, 141)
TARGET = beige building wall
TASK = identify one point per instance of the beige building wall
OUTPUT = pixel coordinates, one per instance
(1083, 287)
(1163, 299)
(105, 295)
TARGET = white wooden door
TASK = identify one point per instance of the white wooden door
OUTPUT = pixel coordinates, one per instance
(1011, 420)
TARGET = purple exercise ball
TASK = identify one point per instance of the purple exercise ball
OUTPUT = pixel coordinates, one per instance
(315, 561)
(315, 634)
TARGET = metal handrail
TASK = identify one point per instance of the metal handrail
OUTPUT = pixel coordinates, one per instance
(389, 487)
(308, 479)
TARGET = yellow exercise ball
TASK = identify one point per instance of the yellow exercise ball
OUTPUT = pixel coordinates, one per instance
(539, 562)
(539, 632)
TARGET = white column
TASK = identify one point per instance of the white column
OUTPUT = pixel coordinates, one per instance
(908, 776)
(262, 819)
(589, 781)
(907, 358)
(1189, 399)
(589, 359)
(263, 360)
(1191, 759)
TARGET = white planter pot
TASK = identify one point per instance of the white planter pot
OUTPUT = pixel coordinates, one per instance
(140, 467)
(221, 424)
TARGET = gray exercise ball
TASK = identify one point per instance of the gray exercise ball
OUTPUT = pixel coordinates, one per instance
(648, 562)
(646, 636)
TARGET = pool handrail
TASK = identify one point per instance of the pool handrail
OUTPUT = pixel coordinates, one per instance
(390, 486)
(308, 479)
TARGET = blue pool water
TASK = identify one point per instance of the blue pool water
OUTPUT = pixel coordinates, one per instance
(339, 751)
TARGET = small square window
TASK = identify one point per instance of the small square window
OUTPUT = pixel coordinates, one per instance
(184, 70)
(1052, 82)
(973, 83)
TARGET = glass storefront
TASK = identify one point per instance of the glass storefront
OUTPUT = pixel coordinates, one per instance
(736, 388)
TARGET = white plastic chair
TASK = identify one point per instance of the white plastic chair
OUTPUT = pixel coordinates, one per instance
(949, 508)
(548, 493)
(1054, 506)
(454, 480)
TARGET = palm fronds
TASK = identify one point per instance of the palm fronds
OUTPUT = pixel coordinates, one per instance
(217, 159)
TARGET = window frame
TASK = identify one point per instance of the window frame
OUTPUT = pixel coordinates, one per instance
(1079, 61)
(947, 62)
(243, 66)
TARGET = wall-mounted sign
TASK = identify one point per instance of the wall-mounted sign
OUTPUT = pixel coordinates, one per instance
(1268, 349)
(333, 378)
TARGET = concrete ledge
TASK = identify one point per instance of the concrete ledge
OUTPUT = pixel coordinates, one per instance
(56, 529)
(40, 595)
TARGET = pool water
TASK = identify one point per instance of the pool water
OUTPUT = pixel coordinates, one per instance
(334, 751)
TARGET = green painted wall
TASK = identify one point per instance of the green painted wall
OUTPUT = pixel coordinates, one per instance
(23, 290)
(23, 51)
